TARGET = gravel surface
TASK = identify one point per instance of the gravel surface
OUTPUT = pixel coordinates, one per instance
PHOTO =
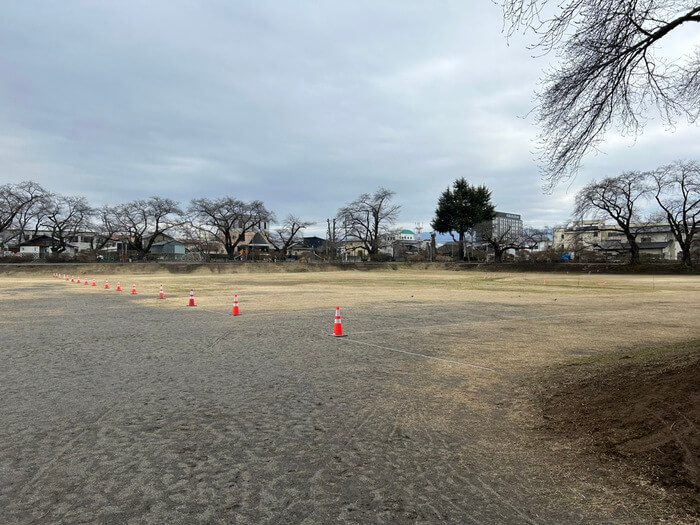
(117, 411)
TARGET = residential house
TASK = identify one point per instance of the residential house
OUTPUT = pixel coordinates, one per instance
(167, 248)
(253, 242)
(308, 248)
(655, 240)
(42, 246)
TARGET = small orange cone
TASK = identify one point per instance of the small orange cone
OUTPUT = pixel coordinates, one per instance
(338, 326)
(191, 298)
(94, 283)
(161, 295)
(133, 289)
(106, 284)
(236, 310)
(119, 286)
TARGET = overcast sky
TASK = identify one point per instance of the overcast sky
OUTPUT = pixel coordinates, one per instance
(301, 105)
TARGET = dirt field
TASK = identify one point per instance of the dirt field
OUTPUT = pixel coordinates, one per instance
(442, 404)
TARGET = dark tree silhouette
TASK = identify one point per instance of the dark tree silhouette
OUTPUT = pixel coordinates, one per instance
(616, 198)
(228, 219)
(289, 233)
(66, 216)
(16, 199)
(609, 74)
(142, 221)
(677, 192)
(460, 209)
(369, 217)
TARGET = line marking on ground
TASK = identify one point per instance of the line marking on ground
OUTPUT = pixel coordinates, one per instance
(420, 355)
(461, 323)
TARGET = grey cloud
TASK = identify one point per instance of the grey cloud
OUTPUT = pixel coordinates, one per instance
(302, 107)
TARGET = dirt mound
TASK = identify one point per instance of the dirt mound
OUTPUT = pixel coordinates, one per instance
(638, 407)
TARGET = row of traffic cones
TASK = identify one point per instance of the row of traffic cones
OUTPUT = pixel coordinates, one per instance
(337, 325)
(161, 293)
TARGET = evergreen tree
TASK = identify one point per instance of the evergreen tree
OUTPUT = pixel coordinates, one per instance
(460, 209)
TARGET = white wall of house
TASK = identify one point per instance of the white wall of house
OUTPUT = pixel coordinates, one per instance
(587, 235)
(34, 251)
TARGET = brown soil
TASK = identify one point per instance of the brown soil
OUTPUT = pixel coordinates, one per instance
(639, 408)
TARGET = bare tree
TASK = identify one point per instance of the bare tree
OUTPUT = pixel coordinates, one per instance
(609, 73)
(65, 217)
(228, 219)
(142, 221)
(19, 201)
(288, 234)
(369, 217)
(333, 237)
(616, 198)
(31, 217)
(201, 244)
(500, 240)
(105, 225)
(532, 237)
(677, 192)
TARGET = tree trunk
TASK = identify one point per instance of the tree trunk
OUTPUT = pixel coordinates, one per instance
(685, 250)
(634, 253)
(497, 254)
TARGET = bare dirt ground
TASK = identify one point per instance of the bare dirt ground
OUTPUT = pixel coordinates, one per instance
(451, 400)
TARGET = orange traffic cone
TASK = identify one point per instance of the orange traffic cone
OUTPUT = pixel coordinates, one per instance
(133, 289)
(106, 284)
(338, 326)
(119, 286)
(236, 311)
(191, 298)
(161, 295)
(94, 283)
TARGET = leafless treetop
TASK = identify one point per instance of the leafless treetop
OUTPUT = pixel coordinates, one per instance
(609, 73)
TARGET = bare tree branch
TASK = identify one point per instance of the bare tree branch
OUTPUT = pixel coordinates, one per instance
(288, 234)
(609, 74)
(369, 217)
(66, 216)
(143, 220)
(228, 219)
(615, 198)
(20, 203)
(677, 193)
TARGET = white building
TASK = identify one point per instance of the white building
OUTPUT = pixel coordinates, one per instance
(655, 240)
(41, 246)
(509, 225)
